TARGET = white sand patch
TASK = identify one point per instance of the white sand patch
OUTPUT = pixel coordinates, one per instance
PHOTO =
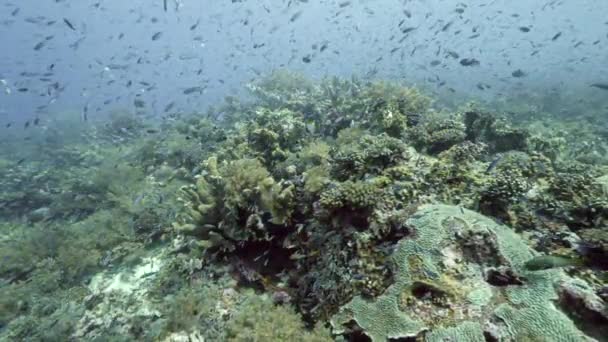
(117, 298)
(127, 281)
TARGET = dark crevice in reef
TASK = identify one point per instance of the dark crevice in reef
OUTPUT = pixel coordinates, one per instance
(589, 313)
(354, 333)
(503, 276)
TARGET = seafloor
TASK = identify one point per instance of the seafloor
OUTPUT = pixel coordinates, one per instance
(312, 211)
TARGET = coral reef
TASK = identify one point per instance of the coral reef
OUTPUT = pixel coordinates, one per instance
(356, 204)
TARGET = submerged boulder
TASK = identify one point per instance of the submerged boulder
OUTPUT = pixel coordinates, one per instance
(460, 277)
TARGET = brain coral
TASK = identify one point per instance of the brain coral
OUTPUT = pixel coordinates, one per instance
(460, 277)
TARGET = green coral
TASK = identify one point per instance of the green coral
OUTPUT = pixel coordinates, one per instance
(334, 103)
(312, 186)
(369, 155)
(352, 196)
(570, 139)
(434, 274)
(504, 189)
(218, 312)
(395, 107)
(576, 199)
(494, 131)
(437, 134)
(234, 195)
(315, 153)
(45, 266)
(260, 320)
(273, 134)
(195, 307)
(241, 181)
(278, 199)
(316, 178)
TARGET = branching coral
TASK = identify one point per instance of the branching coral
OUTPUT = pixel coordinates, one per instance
(351, 196)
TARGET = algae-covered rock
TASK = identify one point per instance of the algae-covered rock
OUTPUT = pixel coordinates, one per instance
(460, 277)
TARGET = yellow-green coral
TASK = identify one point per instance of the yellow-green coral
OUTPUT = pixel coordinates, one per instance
(242, 179)
(369, 155)
(272, 133)
(438, 133)
(278, 199)
(315, 153)
(259, 320)
(234, 195)
(316, 178)
(352, 196)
